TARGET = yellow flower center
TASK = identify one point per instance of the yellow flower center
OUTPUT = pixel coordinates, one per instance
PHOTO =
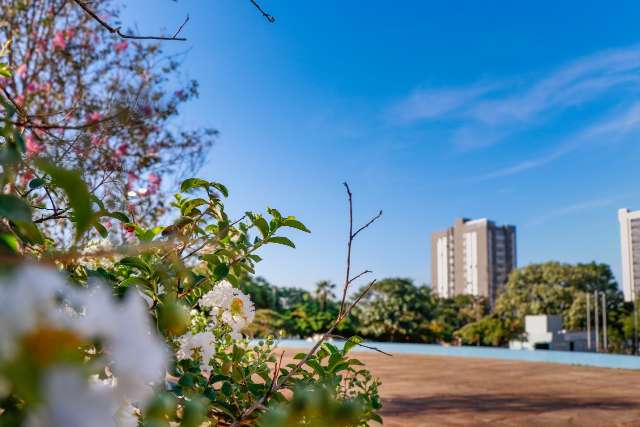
(237, 306)
(45, 346)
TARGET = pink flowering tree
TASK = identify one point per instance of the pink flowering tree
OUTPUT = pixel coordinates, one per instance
(92, 101)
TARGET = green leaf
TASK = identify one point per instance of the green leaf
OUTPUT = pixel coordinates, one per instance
(136, 263)
(351, 342)
(36, 183)
(221, 188)
(294, 223)
(191, 183)
(281, 240)
(262, 225)
(190, 205)
(135, 281)
(77, 193)
(28, 232)
(220, 272)
(14, 208)
(5, 71)
(120, 216)
(9, 241)
(100, 229)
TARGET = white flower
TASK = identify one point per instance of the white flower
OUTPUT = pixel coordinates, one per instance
(38, 301)
(26, 301)
(69, 401)
(200, 347)
(219, 297)
(231, 305)
(138, 358)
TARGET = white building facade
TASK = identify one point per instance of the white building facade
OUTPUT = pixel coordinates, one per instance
(630, 252)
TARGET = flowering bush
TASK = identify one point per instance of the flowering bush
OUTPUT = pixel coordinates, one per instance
(107, 318)
(150, 332)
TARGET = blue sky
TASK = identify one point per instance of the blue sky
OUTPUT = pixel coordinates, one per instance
(525, 113)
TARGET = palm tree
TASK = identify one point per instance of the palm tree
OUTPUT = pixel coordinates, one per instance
(324, 293)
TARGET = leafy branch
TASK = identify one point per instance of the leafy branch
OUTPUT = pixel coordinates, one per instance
(343, 313)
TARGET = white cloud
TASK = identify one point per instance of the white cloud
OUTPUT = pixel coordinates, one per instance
(436, 103)
(485, 114)
(619, 126)
(577, 207)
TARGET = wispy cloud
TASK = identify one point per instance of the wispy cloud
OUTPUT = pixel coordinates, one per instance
(436, 103)
(575, 208)
(619, 126)
(488, 113)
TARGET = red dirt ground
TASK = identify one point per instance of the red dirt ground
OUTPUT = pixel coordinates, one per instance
(420, 391)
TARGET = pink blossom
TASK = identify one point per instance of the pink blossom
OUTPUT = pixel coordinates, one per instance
(122, 150)
(131, 179)
(19, 100)
(33, 146)
(41, 45)
(26, 177)
(121, 46)
(69, 33)
(32, 87)
(154, 179)
(98, 140)
(22, 71)
(45, 87)
(95, 116)
(59, 40)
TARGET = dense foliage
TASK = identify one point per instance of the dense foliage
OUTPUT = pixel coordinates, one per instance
(397, 310)
(113, 314)
(553, 288)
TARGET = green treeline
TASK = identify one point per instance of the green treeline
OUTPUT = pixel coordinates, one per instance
(398, 310)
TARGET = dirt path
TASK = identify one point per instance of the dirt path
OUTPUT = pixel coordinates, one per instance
(425, 391)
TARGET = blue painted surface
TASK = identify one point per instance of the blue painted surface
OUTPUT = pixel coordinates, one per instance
(562, 357)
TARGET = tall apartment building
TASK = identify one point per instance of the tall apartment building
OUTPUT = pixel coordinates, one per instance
(472, 257)
(630, 248)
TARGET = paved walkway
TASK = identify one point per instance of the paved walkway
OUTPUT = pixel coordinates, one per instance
(420, 391)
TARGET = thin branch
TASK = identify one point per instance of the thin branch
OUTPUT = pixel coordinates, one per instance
(359, 276)
(367, 224)
(269, 18)
(370, 347)
(117, 31)
(349, 243)
(341, 316)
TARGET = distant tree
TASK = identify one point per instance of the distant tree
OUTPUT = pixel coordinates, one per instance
(454, 313)
(550, 288)
(396, 310)
(324, 292)
(489, 331)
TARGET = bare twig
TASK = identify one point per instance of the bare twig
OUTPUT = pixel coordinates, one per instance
(367, 224)
(370, 347)
(357, 276)
(269, 18)
(344, 312)
(348, 280)
(117, 30)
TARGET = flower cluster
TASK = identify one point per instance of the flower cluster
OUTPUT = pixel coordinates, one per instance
(198, 346)
(54, 328)
(230, 306)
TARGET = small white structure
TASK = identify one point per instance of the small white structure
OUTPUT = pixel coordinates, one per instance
(545, 332)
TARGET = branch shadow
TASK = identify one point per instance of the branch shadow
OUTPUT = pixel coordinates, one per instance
(496, 403)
